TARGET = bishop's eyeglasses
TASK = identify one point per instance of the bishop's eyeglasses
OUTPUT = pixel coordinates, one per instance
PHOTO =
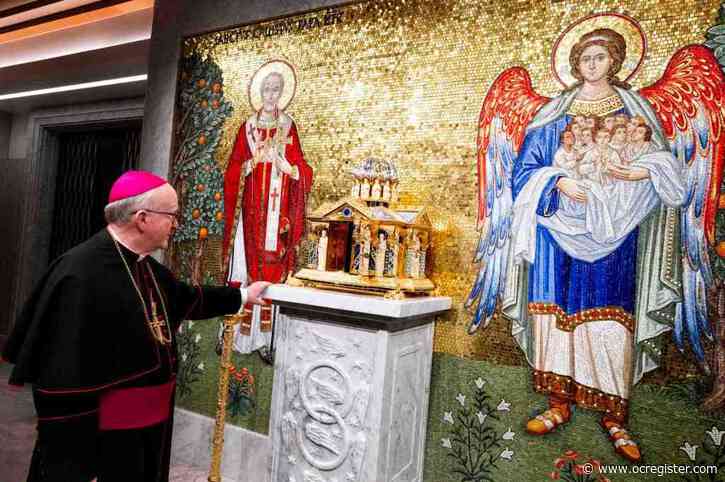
(175, 215)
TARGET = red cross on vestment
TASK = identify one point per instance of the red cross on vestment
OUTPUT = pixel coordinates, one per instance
(274, 195)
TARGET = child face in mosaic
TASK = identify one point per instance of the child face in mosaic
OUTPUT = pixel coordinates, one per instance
(619, 135)
(567, 140)
(633, 123)
(603, 137)
(587, 136)
(641, 133)
(576, 129)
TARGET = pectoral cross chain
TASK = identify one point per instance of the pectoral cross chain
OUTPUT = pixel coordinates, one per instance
(157, 325)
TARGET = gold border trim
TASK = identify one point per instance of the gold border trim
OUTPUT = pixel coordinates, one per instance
(562, 386)
(566, 322)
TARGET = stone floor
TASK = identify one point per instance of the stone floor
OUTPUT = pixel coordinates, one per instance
(17, 436)
(17, 429)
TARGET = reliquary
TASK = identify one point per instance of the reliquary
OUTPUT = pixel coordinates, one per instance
(368, 242)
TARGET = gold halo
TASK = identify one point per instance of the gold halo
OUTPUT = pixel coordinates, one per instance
(626, 26)
(287, 72)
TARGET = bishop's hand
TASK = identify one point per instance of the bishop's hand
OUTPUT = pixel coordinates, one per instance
(255, 291)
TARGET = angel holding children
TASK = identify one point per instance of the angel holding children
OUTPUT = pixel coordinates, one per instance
(584, 200)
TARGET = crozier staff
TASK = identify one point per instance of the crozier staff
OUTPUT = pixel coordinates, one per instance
(97, 341)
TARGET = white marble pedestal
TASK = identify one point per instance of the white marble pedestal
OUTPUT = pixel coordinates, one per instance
(351, 385)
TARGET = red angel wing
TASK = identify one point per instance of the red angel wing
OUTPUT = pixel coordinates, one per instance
(513, 101)
(689, 101)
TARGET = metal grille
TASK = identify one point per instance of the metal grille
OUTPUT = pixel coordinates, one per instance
(88, 163)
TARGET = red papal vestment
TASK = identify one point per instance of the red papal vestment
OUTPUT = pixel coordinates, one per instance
(272, 203)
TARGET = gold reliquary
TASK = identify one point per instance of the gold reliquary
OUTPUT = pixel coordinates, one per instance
(367, 242)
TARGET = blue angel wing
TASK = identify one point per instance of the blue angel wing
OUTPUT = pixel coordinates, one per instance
(507, 109)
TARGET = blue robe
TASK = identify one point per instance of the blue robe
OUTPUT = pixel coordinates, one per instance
(554, 276)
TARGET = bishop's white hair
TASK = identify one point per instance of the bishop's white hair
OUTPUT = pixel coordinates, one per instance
(120, 212)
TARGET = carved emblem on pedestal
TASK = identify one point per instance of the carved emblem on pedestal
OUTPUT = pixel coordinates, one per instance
(326, 402)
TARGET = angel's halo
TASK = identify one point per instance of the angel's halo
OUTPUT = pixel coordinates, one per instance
(626, 26)
(282, 67)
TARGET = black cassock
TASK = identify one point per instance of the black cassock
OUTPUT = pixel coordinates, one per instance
(102, 382)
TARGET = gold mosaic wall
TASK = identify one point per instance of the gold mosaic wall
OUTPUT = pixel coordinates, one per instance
(405, 80)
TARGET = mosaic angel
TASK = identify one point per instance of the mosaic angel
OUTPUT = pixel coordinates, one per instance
(588, 267)
(265, 188)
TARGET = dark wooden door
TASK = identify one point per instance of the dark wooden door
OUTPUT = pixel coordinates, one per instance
(88, 163)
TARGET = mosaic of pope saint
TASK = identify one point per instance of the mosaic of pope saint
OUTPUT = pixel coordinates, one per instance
(596, 209)
(266, 184)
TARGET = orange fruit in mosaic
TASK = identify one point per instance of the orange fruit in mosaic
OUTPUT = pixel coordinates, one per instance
(216, 88)
(217, 196)
(202, 140)
(219, 216)
(201, 83)
(200, 187)
(195, 214)
(720, 249)
(204, 104)
(203, 232)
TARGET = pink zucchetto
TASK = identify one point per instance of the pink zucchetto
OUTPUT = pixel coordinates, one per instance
(133, 183)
